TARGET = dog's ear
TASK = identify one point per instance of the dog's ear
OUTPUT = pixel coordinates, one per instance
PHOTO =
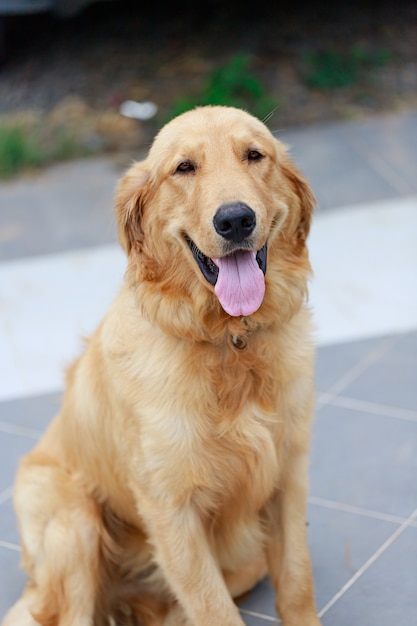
(131, 195)
(305, 196)
(300, 188)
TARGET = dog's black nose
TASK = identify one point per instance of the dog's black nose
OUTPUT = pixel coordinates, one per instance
(235, 221)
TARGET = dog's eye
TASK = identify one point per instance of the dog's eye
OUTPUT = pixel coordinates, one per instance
(185, 167)
(254, 155)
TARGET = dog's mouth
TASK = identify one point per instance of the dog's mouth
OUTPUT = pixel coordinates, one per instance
(238, 278)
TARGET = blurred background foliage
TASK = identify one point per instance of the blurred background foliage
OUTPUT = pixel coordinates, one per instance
(233, 83)
(293, 62)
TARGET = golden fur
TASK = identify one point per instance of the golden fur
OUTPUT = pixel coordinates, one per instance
(175, 474)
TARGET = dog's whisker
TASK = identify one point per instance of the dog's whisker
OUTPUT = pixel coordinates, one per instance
(270, 115)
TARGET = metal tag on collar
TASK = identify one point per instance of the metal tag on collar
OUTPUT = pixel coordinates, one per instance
(238, 342)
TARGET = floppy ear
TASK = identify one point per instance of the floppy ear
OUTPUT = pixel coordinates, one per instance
(300, 188)
(305, 196)
(130, 197)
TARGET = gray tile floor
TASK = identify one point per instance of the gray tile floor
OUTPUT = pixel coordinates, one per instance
(363, 498)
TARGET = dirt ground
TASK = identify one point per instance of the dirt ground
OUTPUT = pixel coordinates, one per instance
(128, 50)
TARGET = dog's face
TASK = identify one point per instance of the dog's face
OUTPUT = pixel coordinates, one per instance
(213, 200)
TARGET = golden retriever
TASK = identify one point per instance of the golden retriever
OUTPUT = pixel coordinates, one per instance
(175, 475)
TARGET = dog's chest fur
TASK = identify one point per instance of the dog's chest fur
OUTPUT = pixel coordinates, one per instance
(214, 445)
(227, 477)
(205, 426)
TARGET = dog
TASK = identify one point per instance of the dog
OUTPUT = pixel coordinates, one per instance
(174, 477)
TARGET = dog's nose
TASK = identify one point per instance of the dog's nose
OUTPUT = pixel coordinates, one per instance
(235, 222)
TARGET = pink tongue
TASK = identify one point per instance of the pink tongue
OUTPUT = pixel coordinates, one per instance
(240, 286)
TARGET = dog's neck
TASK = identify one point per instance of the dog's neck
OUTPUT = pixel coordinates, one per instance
(194, 319)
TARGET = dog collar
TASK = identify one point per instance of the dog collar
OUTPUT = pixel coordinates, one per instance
(239, 342)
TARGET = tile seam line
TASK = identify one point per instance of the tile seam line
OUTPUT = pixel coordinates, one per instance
(359, 368)
(8, 545)
(373, 408)
(334, 505)
(262, 616)
(364, 568)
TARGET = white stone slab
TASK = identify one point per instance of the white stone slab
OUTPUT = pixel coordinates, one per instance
(365, 270)
(365, 284)
(47, 305)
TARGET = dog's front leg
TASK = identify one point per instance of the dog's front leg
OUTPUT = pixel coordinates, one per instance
(183, 552)
(287, 552)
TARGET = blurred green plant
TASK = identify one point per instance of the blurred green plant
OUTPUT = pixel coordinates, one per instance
(23, 147)
(331, 69)
(17, 150)
(232, 84)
